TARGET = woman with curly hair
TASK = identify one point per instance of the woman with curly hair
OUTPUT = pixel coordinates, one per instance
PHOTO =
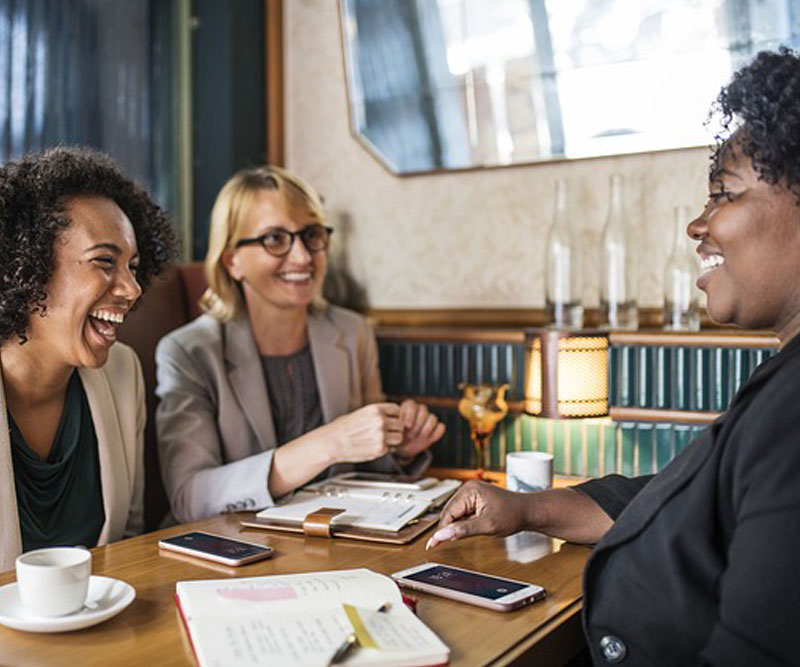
(78, 244)
(698, 565)
(272, 387)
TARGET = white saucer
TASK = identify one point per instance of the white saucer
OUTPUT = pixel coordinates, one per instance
(106, 598)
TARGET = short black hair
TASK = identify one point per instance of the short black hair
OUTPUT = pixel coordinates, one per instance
(33, 192)
(760, 110)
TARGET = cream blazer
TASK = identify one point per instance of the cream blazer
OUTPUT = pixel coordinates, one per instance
(115, 393)
(216, 434)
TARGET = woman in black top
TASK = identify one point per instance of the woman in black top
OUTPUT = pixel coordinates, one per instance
(698, 564)
(78, 243)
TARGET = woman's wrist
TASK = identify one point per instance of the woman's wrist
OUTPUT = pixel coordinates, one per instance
(328, 448)
(534, 506)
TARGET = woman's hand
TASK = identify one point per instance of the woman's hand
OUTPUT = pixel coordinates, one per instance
(421, 428)
(479, 508)
(366, 433)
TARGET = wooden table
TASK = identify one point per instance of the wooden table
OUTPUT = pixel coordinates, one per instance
(150, 632)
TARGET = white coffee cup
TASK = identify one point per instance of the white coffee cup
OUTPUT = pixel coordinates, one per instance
(54, 581)
(529, 471)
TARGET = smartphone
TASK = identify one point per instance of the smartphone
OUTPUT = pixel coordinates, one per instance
(216, 548)
(384, 480)
(475, 588)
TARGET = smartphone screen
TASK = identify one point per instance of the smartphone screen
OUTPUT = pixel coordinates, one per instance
(482, 585)
(216, 546)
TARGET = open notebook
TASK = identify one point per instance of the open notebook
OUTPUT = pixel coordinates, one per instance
(373, 508)
(301, 619)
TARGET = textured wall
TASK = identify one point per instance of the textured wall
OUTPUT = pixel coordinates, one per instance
(464, 239)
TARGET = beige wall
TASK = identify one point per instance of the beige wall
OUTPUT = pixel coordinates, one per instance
(466, 239)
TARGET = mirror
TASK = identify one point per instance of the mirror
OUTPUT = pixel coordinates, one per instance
(457, 84)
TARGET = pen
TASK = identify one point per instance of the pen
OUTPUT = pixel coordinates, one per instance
(351, 641)
(344, 649)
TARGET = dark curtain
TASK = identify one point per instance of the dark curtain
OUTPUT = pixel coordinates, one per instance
(91, 72)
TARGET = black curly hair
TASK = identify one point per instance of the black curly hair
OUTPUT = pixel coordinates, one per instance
(33, 193)
(760, 113)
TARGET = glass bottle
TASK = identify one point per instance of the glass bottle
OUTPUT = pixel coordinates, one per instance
(563, 279)
(681, 306)
(617, 288)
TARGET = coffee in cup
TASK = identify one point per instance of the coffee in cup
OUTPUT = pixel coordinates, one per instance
(54, 581)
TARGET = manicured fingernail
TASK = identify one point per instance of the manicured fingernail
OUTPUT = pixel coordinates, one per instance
(430, 543)
(444, 534)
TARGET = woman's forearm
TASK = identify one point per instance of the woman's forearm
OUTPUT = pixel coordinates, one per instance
(298, 461)
(568, 515)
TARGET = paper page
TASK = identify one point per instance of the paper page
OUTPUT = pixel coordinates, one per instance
(311, 638)
(302, 619)
(291, 592)
(358, 512)
(394, 631)
(238, 640)
(434, 496)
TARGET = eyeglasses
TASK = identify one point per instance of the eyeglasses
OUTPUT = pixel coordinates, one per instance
(278, 242)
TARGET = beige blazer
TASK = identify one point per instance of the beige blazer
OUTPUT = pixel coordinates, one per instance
(216, 435)
(116, 400)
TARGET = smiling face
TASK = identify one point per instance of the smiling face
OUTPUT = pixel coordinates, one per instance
(283, 283)
(92, 288)
(749, 235)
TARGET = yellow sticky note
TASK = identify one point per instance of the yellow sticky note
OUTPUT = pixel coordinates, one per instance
(364, 638)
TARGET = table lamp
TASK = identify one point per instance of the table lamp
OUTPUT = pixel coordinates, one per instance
(566, 374)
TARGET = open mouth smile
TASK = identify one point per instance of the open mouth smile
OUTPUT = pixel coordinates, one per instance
(105, 323)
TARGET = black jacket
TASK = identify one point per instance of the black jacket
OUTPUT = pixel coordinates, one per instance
(702, 565)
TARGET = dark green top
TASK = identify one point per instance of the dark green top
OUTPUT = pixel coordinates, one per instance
(60, 500)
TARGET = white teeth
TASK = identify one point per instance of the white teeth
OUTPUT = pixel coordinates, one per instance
(296, 276)
(107, 316)
(712, 262)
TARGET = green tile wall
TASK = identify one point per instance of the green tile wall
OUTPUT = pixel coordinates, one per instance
(666, 377)
(423, 368)
(583, 447)
(680, 378)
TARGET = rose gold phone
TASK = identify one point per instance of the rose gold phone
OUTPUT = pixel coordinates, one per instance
(463, 585)
(216, 548)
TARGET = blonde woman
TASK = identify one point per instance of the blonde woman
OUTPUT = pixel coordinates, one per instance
(271, 387)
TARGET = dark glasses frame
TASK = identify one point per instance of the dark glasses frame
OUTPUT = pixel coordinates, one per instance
(302, 234)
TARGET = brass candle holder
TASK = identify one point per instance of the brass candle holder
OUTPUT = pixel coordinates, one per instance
(483, 406)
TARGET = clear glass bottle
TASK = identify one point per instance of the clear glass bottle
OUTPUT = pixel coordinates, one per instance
(563, 275)
(617, 288)
(681, 303)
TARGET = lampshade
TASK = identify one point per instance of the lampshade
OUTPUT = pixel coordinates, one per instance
(566, 374)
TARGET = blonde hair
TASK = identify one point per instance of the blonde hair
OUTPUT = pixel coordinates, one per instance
(223, 298)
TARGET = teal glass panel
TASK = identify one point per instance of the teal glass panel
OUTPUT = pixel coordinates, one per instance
(645, 447)
(529, 424)
(593, 450)
(609, 448)
(576, 429)
(628, 430)
(559, 446)
(448, 370)
(661, 377)
(518, 379)
(510, 426)
(613, 364)
(643, 376)
(626, 375)
(680, 378)
(683, 436)
(665, 446)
